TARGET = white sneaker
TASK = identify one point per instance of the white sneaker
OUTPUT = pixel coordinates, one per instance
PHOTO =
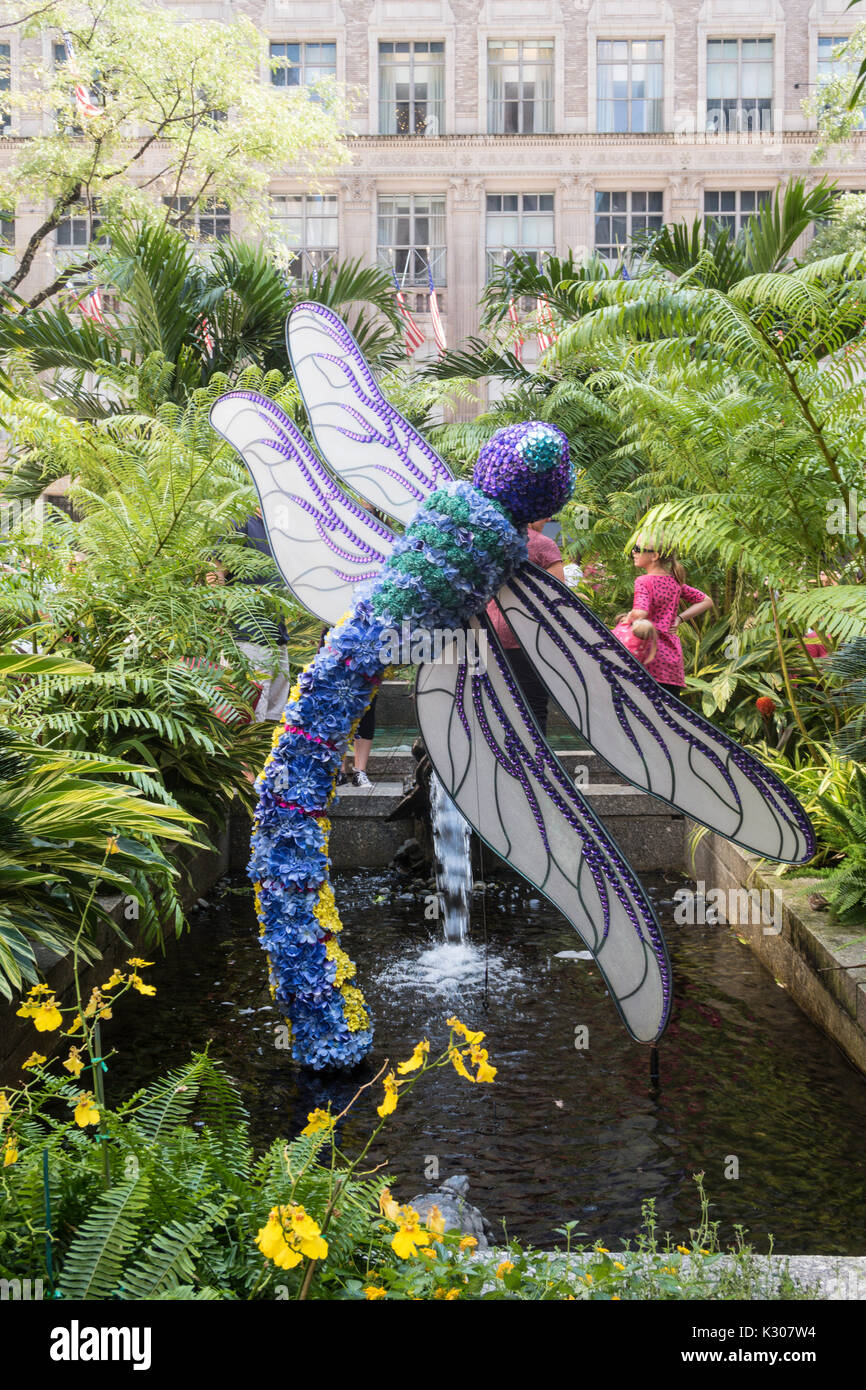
(360, 779)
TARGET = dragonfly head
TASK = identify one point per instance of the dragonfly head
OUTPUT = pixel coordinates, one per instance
(526, 469)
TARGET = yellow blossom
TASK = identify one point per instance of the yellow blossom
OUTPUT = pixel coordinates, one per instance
(683, 1249)
(411, 1235)
(318, 1120)
(461, 1028)
(73, 1063)
(468, 1243)
(138, 964)
(435, 1221)
(45, 1014)
(505, 1268)
(389, 1104)
(75, 1027)
(451, 1295)
(290, 1234)
(5, 1108)
(111, 846)
(117, 978)
(373, 1291)
(615, 1298)
(617, 1265)
(459, 1065)
(93, 1003)
(479, 1056)
(602, 1250)
(86, 1112)
(138, 983)
(417, 1058)
(34, 1060)
(10, 1154)
(388, 1207)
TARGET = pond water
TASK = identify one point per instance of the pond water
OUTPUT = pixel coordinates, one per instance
(563, 1134)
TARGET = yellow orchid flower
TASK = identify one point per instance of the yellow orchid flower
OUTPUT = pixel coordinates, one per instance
(73, 1063)
(34, 1060)
(462, 1029)
(411, 1235)
(435, 1221)
(5, 1108)
(138, 983)
(417, 1058)
(10, 1154)
(388, 1207)
(86, 1112)
(479, 1056)
(389, 1104)
(45, 1014)
(138, 964)
(272, 1242)
(318, 1120)
(117, 978)
(459, 1065)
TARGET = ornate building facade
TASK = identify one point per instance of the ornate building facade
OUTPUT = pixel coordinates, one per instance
(541, 125)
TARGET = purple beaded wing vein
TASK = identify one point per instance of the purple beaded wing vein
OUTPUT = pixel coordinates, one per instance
(654, 740)
(365, 440)
(323, 542)
(497, 767)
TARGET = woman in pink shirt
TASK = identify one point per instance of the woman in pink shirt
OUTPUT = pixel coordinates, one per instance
(658, 593)
(546, 554)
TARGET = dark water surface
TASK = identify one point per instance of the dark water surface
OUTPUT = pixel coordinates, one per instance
(562, 1134)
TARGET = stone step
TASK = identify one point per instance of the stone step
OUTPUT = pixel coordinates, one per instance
(395, 708)
(649, 833)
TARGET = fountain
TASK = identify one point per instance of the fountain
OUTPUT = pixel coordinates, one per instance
(451, 838)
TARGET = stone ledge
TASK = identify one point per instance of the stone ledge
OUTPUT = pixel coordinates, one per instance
(811, 956)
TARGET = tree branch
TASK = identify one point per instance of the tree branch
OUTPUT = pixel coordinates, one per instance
(52, 221)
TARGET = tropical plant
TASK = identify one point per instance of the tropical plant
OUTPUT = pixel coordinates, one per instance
(65, 826)
(184, 317)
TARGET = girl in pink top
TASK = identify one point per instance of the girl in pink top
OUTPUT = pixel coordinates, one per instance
(658, 593)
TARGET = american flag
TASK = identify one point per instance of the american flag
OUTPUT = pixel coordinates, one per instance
(518, 336)
(436, 317)
(207, 336)
(413, 338)
(545, 332)
(83, 99)
(91, 306)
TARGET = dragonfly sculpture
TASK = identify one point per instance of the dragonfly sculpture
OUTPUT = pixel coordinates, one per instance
(461, 545)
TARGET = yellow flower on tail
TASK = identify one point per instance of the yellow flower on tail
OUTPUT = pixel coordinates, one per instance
(318, 1120)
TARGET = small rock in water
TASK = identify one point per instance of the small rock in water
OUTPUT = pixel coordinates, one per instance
(479, 887)
(573, 955)
(202, 902)
(459, 1214)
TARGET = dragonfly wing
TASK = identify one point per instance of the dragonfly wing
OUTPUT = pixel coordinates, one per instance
(324, 543)
(653, 739)
(360, 435)
(496, 766)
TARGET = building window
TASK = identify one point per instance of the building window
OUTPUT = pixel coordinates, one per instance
(411, 88)
(301, 64)
(834, 63)
(307, 224)
(739, 85)
(519, 87)
(630, 84)
(619, 215)
(518, 222)
(5, 85)
(78, 230)
(412, 236)
(732, 207)
(210, 221)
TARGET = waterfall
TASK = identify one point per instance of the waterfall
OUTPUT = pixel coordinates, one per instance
(451, 836)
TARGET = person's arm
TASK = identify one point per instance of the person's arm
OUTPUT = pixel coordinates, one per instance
(701, 602)
(557, 569)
